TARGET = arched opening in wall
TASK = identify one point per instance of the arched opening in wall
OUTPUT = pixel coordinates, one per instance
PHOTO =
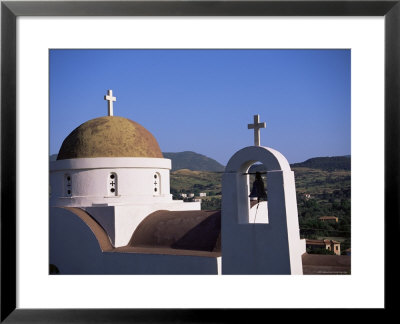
(112, 186)
(258, 195)
(67, 185)
(156, 184)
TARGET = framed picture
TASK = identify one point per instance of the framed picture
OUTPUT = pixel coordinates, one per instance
(11, 126)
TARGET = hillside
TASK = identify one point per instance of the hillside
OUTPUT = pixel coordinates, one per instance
(193, 161)
(326, 163)
(188, 181)
(185, 180)
(334, 163)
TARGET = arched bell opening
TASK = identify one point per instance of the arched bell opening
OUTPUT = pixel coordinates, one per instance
(252, 193)
(258, 196)
(239, 181)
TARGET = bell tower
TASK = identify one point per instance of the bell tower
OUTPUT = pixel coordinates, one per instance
(273, 247)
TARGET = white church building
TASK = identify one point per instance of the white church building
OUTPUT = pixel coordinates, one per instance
(111, 211)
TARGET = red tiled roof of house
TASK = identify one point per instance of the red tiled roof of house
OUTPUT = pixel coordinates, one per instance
(321, 242)
(315, 242)
(328, 217)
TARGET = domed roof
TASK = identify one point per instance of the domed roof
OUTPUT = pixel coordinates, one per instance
(109, 136)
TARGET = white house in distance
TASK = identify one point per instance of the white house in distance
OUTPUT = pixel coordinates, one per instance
(111, 211)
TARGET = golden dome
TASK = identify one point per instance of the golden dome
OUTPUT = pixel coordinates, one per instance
(109, 136)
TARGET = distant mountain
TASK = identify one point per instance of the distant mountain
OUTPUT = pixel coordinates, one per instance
(327, 163)
(185, 160)
(193, 161)
(322, 163)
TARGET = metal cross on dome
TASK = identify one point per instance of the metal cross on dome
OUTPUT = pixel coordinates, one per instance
(256, 126)
(109, 97)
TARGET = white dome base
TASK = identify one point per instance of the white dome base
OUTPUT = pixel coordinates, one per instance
(110, 181)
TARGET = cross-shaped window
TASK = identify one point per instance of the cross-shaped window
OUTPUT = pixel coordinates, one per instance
(156, 183)
(113, 184)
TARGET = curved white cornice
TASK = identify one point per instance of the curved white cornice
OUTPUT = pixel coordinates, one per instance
(110, 163)
(244, 158)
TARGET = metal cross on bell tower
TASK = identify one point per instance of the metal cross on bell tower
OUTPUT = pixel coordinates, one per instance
(256, 126)
(109, 97)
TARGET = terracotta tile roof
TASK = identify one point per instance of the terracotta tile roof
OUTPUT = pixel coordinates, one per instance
(169, 251)
(321, 242)
(188, 230)
(315, 242)
(328, 217)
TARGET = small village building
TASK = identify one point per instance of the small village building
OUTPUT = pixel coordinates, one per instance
(329, 218)
(202, 194)
(329, 245)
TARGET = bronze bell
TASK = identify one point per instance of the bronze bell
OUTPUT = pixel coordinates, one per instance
(258, 190)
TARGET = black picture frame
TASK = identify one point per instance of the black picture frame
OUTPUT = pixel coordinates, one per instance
(10, 10)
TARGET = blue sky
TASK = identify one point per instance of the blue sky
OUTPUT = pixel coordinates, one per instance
(202, 100)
